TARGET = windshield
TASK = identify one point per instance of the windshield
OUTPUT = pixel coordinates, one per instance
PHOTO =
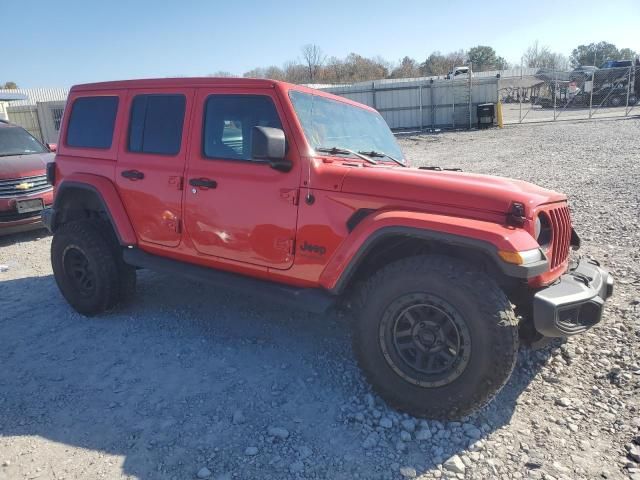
(328, 123)
(16, 141)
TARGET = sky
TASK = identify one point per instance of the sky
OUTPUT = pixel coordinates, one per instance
(60, 43)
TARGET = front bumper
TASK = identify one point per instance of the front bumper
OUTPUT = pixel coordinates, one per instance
(9, 228)
(575, 302)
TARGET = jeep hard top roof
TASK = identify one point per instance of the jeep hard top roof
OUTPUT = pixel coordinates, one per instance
(209, 82)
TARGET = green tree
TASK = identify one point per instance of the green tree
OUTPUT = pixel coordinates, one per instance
(596, 53)
(626, 54)
(501, 64)
(484, 58)
(10, 85)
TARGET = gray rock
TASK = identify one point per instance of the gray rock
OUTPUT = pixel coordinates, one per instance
(296, 467)
(385, 422)
(563, 402)
(251, 451)
(238, 417)
(401, 446)
(304, 452)
(408, 472)
(454, 464)
(278, 432)
(472, 431)
(634, 453)
(409, 425)
(370, 401)
(405, 436)
(534, 462)
(371, 440)
(423, 434)
(204, 472)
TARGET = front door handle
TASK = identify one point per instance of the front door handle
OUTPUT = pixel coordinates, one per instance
(132, 174)
(203, 182)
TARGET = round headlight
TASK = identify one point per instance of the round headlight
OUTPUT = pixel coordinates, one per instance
(543, 230)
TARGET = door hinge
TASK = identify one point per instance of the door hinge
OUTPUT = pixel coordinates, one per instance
(286, 245)
(291, 196)
(177, 182)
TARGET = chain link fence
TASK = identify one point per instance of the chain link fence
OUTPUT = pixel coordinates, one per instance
(584, 93)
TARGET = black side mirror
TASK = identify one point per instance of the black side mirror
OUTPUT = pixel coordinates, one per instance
(269, 144)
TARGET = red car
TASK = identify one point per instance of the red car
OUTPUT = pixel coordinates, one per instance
(305, 198)
(24, 190)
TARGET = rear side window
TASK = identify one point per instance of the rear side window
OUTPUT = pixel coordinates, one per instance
(156, 124)
(91, 122)
(229, 120)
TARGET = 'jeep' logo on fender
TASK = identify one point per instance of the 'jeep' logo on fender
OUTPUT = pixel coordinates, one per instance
(307, 247)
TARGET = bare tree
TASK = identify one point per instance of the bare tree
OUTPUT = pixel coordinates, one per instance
(314, 58)
(334, 71)
(407, 68)
(10, 85)
(255, 73)
(537, 56)
(274, 73)
(439, 64)
(221, 73)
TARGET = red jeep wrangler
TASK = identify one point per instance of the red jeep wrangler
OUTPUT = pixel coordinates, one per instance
(305, 198)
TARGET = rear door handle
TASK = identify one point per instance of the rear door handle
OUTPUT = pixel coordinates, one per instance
(132, 174)
(203, 182)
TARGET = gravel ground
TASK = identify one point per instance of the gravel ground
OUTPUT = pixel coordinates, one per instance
(194, 383)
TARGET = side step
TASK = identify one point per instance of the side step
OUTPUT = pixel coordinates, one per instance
(313, 300)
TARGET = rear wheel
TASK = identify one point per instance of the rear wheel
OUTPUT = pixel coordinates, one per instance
(434, 337)
(616, 101)
(88, 267)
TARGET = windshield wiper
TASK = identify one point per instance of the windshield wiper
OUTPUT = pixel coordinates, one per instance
(374, 153)
(345, 151)
(440, 169)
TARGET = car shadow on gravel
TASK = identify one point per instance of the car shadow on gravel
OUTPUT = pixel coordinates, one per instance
(189, 376)
(12, 239)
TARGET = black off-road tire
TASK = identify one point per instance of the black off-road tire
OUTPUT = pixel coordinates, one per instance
(485, 322)
(127, 276)
(88, 268)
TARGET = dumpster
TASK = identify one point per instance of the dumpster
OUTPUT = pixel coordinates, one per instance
(486, 115)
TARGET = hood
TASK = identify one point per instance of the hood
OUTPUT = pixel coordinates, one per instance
(24, 165)
(455, 189)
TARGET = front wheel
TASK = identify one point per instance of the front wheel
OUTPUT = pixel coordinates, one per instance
(88, 267)
(435, 337)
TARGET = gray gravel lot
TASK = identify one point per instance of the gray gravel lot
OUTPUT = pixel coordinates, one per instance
(189, 382)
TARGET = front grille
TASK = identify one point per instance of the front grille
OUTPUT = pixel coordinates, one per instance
(561, 227)
(23, 186)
